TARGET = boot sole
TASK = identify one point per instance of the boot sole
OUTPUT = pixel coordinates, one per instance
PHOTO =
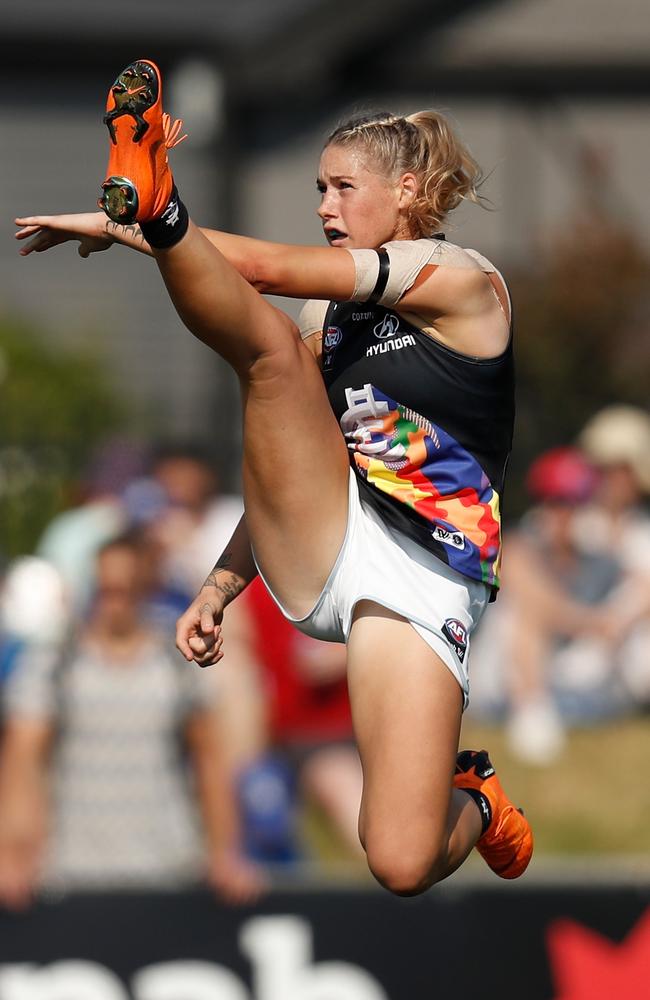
(135, 91)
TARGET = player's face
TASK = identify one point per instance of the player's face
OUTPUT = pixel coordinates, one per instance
(360, 207)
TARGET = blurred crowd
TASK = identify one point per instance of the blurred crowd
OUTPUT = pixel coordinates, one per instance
(568, 642)
(121, 765)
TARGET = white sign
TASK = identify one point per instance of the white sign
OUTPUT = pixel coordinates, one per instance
(279, 949)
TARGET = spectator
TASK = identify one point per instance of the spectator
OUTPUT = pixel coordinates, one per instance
(199, 519)
(544, 648)
(285, 708)
(617, 524)
(93, 789)
(72, 539)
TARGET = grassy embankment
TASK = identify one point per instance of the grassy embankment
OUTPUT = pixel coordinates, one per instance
(595, 799)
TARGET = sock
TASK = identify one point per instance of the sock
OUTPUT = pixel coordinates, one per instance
(483, 804)
(170, 227)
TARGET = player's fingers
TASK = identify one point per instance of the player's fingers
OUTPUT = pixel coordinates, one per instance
(26, 231)
(205, 645)
(209, 661)
(208, 656)
(48, 221)
(207, 621)
(201, 644)
(185, 627)
(35, 220)
(36, 245)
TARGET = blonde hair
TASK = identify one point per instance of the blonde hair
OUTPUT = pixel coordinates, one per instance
(424, 144)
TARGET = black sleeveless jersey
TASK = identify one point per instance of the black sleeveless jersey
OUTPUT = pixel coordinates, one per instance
(429, 431)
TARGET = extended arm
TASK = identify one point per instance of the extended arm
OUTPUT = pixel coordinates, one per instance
(458, 303)
(274, 268)
(198, 630)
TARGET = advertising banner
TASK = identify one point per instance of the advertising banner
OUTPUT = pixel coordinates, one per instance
(339, 944)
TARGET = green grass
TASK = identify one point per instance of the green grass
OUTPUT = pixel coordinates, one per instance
(595, 799)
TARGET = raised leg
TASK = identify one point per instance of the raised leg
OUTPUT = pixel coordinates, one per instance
(295, 461)
(295, 467)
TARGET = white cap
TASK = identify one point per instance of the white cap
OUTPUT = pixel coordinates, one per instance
(620, 435)
(33, 603)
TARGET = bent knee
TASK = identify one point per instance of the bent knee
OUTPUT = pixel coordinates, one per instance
(284, 358)
(278, 337)
(406, 870)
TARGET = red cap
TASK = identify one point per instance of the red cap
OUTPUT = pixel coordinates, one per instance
(561, 474)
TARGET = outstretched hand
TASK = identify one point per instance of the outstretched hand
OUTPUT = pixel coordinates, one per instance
(47, 231)
(198, 630)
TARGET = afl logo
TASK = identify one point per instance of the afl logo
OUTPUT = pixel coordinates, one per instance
(333, 338)
(387, 328)
(456, 635)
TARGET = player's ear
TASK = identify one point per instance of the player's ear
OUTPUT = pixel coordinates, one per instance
(408, 189)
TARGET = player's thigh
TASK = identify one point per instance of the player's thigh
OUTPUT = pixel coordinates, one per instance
(295, 470)
(407, 708)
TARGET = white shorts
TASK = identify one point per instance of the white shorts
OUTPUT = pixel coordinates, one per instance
(378, 563)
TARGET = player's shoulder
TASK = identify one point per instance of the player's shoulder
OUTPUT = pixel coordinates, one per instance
(438, 251)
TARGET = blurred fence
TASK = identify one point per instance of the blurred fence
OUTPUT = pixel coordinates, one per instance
(537, 940)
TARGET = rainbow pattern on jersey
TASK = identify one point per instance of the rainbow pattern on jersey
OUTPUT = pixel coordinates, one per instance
(418, 464)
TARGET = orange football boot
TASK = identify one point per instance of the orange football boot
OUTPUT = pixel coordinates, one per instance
(507, 843)
(139, 181)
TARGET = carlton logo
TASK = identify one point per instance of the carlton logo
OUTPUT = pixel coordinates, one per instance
(387, 328)
(456, 635)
